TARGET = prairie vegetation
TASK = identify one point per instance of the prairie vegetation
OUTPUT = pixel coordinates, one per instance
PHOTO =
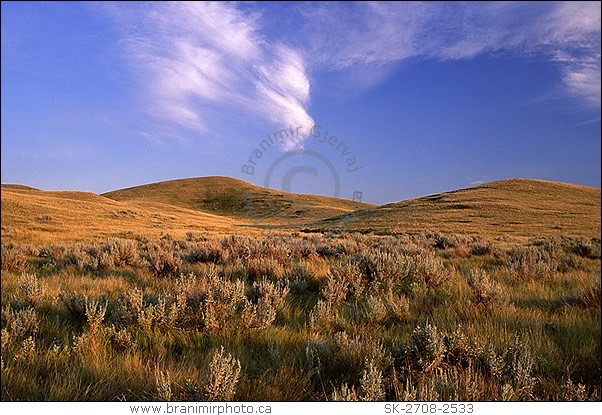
(513, 207)
(302, 316)
(217, 206)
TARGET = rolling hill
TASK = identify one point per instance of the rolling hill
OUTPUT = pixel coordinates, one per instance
(515, 207)
(36, 216)
(230, 197)
(221, 205)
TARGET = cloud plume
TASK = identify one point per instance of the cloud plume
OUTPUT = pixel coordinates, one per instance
(195, 58)
(374, 35)
(199, 55)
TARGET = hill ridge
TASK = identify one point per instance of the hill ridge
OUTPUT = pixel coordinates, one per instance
(509, 207)
(228, 196)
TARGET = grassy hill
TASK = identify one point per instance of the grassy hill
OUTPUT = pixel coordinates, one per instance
(230, 197)
(36, 216)
(516, 207)
(208, 205)
(156, 319)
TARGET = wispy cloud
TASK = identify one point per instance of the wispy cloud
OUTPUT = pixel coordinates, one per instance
(374, 35)
(192, 57)
(581, 76)
(196, 59)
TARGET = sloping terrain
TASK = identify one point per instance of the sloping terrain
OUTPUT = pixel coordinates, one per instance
(236, 198)
(30, 215)
(516, 207)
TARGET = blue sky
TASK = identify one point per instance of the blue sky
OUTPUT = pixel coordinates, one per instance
(387, 100)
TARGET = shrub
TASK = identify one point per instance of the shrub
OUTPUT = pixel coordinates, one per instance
(398, 305)
(75, 304)
(530, 263)
(225, 301)
(301, 279)
(491, 362)
(237, 247)
(79, 256)
(570, 261)
(12, 259)
(193, 391)
(444, 242)
(384, 269)
(321, 315)
(31, 288)
(166, 313)
(20, 324)
(120, 339)
(163, 385)
(485, 291)
(428, 347)
(574, 393)
(429, 269)
(481, 248)
(260, 267)
(95, 314)
(372, 388)
(258, 316)
(28, 350)
(590, 295)
(205, 252)
(586, 249)
(335, 290)
(345, 393)
(357, 305)
(350, 274)
(376, 310)
(163, 262)
(330, 249)
(459, 350)
(5, 339)
(353, 351)
(273, 293)
(518, 369)
(122, 251)
(317, 351)
(269, 299)
(224, 374)
(53, 256)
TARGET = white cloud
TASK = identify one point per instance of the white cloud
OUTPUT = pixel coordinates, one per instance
(283, 88)
(581, 76)
(353, 37)
(197, 58)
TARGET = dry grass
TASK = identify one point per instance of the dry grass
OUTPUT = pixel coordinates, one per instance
(516, 207)
(236, 198)
(144, 300)
(34, 216)
(387, 317)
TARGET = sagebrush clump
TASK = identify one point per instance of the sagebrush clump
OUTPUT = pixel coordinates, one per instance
(302, 316)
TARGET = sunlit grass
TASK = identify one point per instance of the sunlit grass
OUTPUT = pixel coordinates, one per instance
(312, 317)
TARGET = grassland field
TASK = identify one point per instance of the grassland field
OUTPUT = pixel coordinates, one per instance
(172, 292)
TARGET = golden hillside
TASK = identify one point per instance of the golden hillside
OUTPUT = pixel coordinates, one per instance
(515, 207)
(35, 216)
(226, 196)
(220, 205)
(208, 205)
